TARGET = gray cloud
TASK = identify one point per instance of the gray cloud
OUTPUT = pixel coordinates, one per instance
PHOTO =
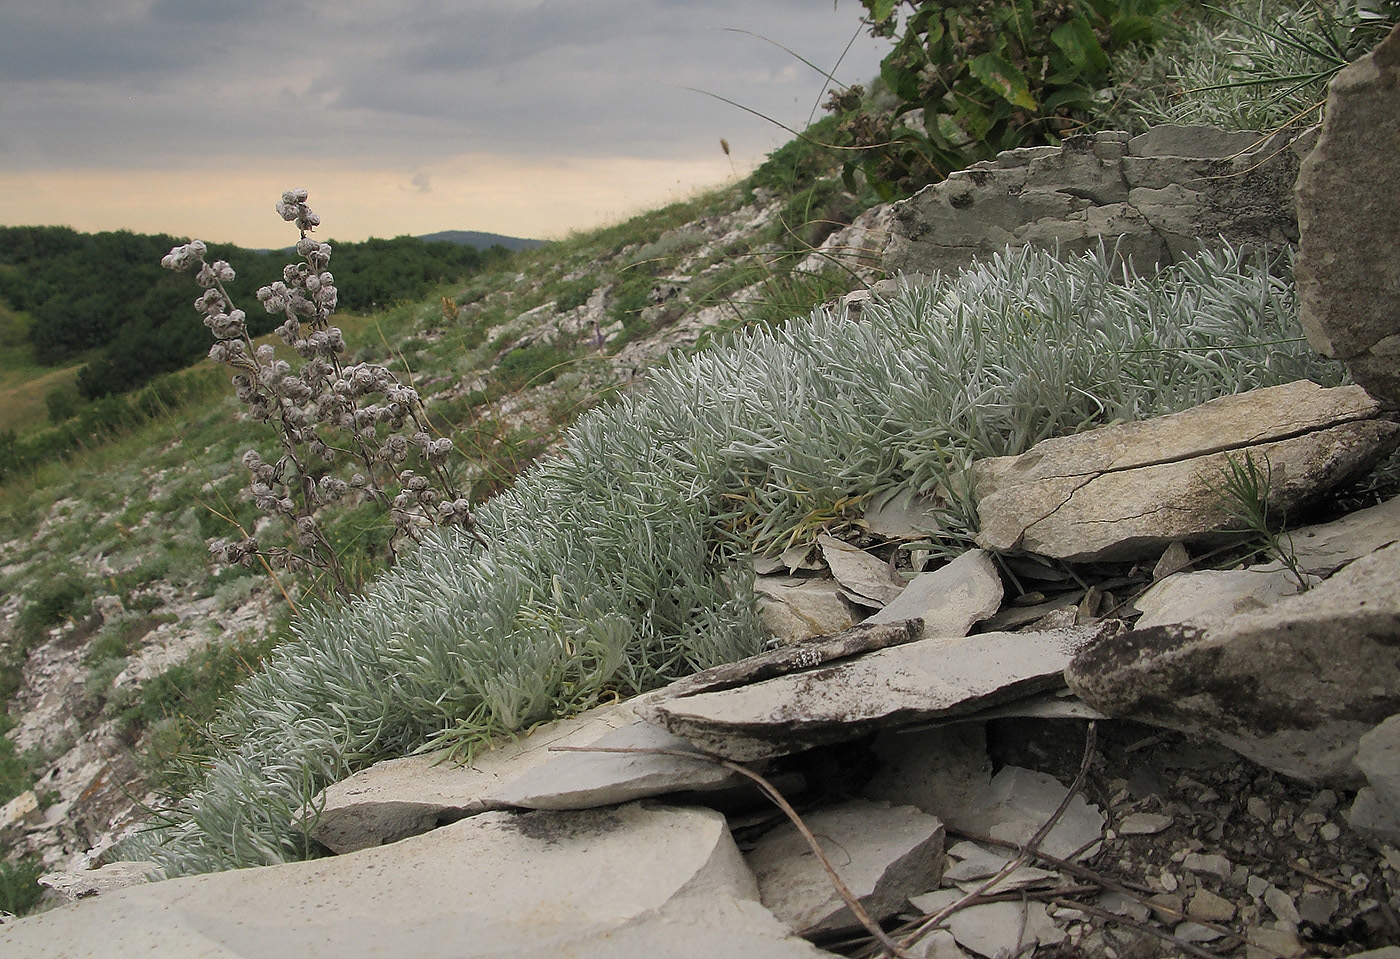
(134, 83)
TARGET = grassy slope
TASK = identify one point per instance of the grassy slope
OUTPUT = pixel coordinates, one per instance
(133, 514)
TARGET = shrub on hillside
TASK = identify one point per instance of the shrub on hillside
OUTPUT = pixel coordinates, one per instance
(621, 562)
(324, 412)
(975, 77)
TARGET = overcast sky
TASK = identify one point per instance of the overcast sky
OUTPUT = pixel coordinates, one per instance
(523, 117)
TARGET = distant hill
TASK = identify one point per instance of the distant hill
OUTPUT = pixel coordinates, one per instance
(482, 241)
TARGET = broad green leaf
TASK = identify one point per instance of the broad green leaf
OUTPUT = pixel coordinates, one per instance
(1020, 19)
(903, 82)
(1076, 38)
(1073, 97)
(1133, 29)
(1002, 78)
(880, 10)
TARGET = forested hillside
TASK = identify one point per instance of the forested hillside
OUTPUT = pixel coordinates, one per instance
(103, 299)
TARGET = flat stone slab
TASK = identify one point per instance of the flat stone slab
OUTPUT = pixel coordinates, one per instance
(862, 638)
(583, 780)
(629, 881)
(951, 599)
(793, 609)
(883, 854)
(1324, 548)
(1293, 686)
(865, 579)
(1017, 802)
(1186, 597)
(404, 797)
(898, 685)
(1126, 492)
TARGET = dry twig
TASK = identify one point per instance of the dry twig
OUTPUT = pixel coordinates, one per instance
(891, 947)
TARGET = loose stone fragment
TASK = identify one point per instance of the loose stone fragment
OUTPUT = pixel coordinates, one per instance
(883, 853)
(1206, 906)
(898, 685)
(1143, 824)
(1212, 864)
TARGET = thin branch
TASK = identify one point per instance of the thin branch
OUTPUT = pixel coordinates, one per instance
(771, 791)
(1024, 856)
(1151, 930)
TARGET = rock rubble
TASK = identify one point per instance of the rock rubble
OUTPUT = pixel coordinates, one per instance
(1044, 752)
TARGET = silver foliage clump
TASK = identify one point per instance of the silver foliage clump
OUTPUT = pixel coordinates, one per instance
(1247, 65)
(620, 563)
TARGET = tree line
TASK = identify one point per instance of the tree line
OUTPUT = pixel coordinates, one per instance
(105, 297)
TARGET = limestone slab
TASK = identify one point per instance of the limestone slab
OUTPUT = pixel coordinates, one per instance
(633, 880)
(1324, 548)
(783, 660)
(950, 599)
(899, 685)
(583, 780)
(1186, 597)
(1018, 801)
(1376, 811)
(1128, 491)
(975, 864)
(902, 514)
(404, 797)
(883, 854)
(793, 609)
(864, 578)
(1293, 687)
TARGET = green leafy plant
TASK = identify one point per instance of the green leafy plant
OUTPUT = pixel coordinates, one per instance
(19, 885)
(975, 77)
(1243, 493)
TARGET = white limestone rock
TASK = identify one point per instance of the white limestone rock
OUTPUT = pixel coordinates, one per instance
(1128, 491)
(898, 685)
(634, 880)
(1017, 802)
(1251, 681)
(83, 883)
(882, 853)
(864, 579)
(1375, 813)
(404, 797)
(793, 609)
(951, 599)
(1187, 597)
(583, 780)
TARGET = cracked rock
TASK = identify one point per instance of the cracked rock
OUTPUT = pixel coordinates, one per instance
(1251, 681)
(1128, 491)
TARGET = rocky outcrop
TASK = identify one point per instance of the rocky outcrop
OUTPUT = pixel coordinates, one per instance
(1128, 491)
(1349, 296)
(1159, 196)
(890, 729)
(631, 880)
(1253, 681)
